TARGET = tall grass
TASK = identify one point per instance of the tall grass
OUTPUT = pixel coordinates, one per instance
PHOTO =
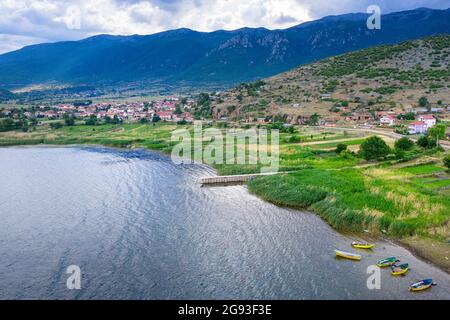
(350, 201)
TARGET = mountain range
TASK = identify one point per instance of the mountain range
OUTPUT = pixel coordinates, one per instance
(222, 58)
(385, 78)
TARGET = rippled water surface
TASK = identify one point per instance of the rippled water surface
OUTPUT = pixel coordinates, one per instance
(140, 227)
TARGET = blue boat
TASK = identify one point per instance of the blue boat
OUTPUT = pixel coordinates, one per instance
(421, 285)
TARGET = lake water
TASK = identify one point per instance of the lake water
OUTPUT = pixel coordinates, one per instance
(140, 227)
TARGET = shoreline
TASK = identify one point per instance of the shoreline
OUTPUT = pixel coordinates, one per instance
(415, 249)
(418, 251)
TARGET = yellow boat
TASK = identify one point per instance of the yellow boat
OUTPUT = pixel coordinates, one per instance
(347, 255)
(359, 245)
(421, 285)
(400, 270)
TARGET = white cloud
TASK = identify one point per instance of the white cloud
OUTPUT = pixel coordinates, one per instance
(12, 42)
(25, 22)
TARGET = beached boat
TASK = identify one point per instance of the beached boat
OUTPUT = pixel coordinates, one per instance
(400, 270)
(347, 255)
(421, 285)
(360, 245)
(387, 262)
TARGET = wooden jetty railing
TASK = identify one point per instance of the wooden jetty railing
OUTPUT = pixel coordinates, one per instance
(234, 179)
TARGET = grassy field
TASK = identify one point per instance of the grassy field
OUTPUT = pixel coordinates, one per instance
(403, 202)
(331, 145)
(153, 137)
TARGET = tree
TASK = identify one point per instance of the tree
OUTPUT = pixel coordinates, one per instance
(24, 125)
(178, 110)
(314, 120)
(427, 142)
(69, 121)
(437, 132)
(91, 121)
(404, 144)
(7, 125)
(447, 161)
(116, 120)
(204, 99)
(156, 118)
(407, 116)
(374, 148)
(341, 147)
(33, 122)
(422, 141)
(423, 102)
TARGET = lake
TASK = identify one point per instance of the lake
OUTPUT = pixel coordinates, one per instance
(140, 227)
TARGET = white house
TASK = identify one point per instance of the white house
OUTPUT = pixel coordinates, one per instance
(429, 120)
(387, 120)
(417, 127)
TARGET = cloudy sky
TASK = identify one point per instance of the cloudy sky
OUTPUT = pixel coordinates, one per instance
(25, 22)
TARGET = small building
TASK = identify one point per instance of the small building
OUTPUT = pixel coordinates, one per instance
(429, 119)
(419, 110)
(261, 120)
(417, 127)
(165, 116)
(330, 124)
(437, 110)
(387, 120)
(362, 116)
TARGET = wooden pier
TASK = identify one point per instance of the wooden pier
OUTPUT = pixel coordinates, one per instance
(218, 180)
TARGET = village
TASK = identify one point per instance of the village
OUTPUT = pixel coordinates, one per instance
(171, 109)
(181, 110)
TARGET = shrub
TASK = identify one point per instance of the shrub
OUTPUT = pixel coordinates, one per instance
(432, 143)
(91, 121)
(294, 139)
(348, 155)
(400, 154)
(341, 147)
(56, 125)
(423, 142)
(69, 121)
(447, 161)
(427, 142)
(7, 125)
(404, 144)
(374, 148)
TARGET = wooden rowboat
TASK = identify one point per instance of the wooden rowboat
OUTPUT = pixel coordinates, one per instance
(421, 285)
(387, 262)
(360, 245)
(400, 270)
(347, 255)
